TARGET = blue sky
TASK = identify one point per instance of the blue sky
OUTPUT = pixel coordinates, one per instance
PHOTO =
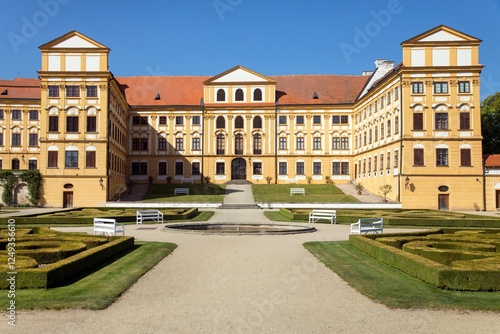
(272, 37)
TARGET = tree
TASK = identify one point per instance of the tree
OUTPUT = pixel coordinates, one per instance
(385, 189)
(490, 123)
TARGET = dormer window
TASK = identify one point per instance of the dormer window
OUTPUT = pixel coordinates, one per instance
(221, 95)
(257, 94)
(238, 95)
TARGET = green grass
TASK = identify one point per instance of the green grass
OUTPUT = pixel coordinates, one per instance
(98, 289)
(392, 287)
(198, 193)
(315, 193)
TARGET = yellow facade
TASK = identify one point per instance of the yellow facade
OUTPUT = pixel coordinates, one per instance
(414, 126)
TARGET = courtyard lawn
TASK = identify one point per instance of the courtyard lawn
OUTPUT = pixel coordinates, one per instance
(198, 193)
(93, 290)
(315, 193)
(393, 287)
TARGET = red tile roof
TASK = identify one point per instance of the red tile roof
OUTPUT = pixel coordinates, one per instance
(492, 161)
(20, 88)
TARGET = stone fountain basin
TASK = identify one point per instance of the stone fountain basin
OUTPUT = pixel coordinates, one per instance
(241, 228)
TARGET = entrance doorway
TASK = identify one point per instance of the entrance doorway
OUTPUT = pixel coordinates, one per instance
(238, 169)
(67, 199)
(444, 202)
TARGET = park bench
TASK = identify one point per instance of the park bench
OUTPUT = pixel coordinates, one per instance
(154, 215)
(330, 215)
(297, 191)
(365, 225)
(107, 226)
(181, 191)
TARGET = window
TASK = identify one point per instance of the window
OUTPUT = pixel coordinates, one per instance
(32, 164)
(396, 125)
(465, 157)
(300, 143)
(238, 144)
(336, 168)
(71, 159)
(33, 141)
(16, 114)
(369, 136)
(396, 159)
(317, 120)
(257, 94)
(442, 157)
(389, 101)
(418, 157)
(195, 168)
(344, 168)
(238, 95)
(179, 144)
(139, 120)
(144, 144)
(15, 164)
(375, 163)
(381, 161)
(220, 144)
(282, 120)
(179, 168)
(376, 106)
(282, 168)
(463, 87)
(375, 133)
(53, 91)
(238, 122)
(179, 120)
(257, 168)
(344, 143)
(91, 91)
(72, 124)
(72, 91)
(33, 115)
(257, 122)
(336, 143)
(344, 119)
(418, 121)
(90, 159)
(162, 144)
(416, 88)
(1, 114)
(136, 144)
(162, 168)
(139, 168)
(364, 138)
(300, 120)
(221, 95)
(1, 139)
(382, 131)
(316, 143)
(196, 144)
(52, 159)
(369, 165)
(382, 102)
(220, 168)
(257, 144)
(317, 168)
(299, 168)
(440, 88)
(196, 120)
(220, 123)
(396, 93)
(91, 123)
(163, 120)
(282, 143)
(464, 121)
(16, 139)
(388, 160)
(336, 120)
(389, 128)
(441, 121)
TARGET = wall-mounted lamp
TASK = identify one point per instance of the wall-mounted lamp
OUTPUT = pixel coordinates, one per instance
(407, 181)
(22, 158)
(101, 182)
(250, 161)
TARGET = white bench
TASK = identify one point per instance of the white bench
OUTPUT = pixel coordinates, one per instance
(154, 215)
(107, 226)
(365, 225)
(181, 191)
(297, 191)
(330, 215)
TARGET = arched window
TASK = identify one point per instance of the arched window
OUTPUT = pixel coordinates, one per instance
(238, 122)
(238, 144)
(238, 95)
(220, 143)
(257, 94)
(220, 122)
(257, 144)
(221, 95)
(257, 122)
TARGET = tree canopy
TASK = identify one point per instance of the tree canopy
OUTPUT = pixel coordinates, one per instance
(490, 123)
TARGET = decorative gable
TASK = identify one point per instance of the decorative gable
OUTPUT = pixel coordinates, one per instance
(73, 40)
(441, 34)
(239, 74)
